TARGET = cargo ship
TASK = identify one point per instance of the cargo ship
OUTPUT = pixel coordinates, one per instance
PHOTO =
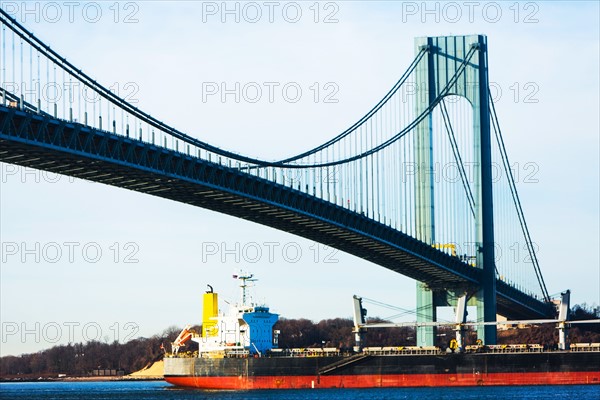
(238, 350)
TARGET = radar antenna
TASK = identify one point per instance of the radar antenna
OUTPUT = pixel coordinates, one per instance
(245, 277)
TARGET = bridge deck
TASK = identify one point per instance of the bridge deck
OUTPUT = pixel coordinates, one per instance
(45, 143)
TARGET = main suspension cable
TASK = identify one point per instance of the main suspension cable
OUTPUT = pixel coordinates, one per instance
(40, 46)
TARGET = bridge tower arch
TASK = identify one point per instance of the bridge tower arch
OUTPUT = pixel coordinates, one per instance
(443, 59)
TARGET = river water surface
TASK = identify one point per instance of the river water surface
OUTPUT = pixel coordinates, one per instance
(160, 390)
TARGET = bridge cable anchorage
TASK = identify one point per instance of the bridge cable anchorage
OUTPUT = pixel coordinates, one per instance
(517, 201)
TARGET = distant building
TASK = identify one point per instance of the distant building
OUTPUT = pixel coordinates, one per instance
(107, 372)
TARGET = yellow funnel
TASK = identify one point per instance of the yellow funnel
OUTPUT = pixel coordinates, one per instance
(210, 309)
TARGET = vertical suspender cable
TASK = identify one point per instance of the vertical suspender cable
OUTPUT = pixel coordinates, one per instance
(517, 202)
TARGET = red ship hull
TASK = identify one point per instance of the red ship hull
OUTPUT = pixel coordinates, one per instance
(373, 381)
(378, 371)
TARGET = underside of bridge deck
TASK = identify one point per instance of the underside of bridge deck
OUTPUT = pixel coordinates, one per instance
(71, 149)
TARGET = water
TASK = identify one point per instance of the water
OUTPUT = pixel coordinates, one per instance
(164, 391)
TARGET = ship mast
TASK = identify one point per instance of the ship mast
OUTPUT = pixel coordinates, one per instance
(245, 278)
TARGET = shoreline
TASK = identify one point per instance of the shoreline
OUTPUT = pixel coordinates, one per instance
(152, 372)
(81, 379)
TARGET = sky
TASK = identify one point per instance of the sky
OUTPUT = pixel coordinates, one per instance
(84, 261)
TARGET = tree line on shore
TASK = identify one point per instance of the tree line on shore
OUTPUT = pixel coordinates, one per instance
(81, 359)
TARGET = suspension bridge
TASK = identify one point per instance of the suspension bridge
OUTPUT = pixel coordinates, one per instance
(413, 185)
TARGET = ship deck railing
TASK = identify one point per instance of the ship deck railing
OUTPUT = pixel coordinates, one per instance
(237, 353)
(585, 347)
(391, 350)
(182, 354)
(515, 348)
(305, 352)
(505, 348)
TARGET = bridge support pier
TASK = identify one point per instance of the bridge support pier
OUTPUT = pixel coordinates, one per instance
(484, 215)
(424, 184)
(444, 55)
(426, 312)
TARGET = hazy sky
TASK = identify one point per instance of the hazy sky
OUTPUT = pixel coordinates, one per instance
(154, 262)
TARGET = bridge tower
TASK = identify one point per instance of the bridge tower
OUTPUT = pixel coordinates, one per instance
(444, 56)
